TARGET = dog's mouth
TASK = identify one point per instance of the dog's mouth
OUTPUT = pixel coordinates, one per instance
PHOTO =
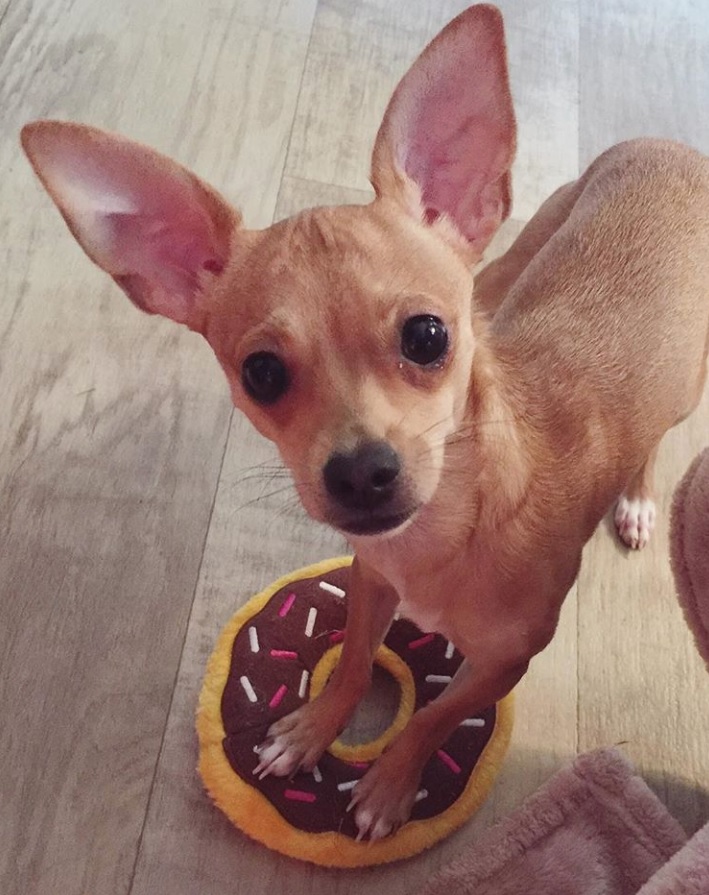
(374, 524)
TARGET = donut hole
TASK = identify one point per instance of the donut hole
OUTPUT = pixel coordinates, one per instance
(376, 712)
(389, 704)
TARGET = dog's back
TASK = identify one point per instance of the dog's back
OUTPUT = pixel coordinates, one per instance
(601, 311)
(614, 304)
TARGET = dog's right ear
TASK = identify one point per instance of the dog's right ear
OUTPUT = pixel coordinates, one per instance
(151, 224)
(447, 141)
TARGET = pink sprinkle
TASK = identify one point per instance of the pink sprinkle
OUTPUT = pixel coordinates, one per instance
(278, 696)
(358, 764)
(422, 641)
(298, 795)
(283, 654)
(337, 636)
(447, 760)
(286, 607)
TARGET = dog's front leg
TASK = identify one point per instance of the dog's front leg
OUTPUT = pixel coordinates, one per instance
(297, 741)
(385, 796)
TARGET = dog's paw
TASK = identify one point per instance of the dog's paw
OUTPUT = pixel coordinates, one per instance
(635, 520)
(295, 743)
(384, 797)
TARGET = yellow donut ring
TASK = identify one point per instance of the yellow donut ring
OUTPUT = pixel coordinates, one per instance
(400, 671)
(252, 813)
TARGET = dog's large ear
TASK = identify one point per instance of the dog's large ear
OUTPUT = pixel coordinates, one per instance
(447, 140)
(148, 222)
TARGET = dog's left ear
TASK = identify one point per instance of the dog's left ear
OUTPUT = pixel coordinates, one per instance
(447, 140)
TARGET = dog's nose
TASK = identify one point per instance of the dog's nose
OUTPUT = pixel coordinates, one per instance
(364, 478)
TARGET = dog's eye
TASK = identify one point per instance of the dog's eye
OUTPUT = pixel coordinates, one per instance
(264, 377)
(424, 339)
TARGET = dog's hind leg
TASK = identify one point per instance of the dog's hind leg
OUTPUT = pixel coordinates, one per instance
(635, 511)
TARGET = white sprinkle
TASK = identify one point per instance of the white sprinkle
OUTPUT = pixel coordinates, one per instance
(250, 692)
(349, 784)
(438, 679)
(310, 625)
(421, 794)
(317, 775)
(253, 638)
(302, 689)
(450, 649)
(397, 616)
(473, 722)
(331, 589)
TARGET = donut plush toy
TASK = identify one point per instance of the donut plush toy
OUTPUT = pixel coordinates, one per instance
(279, 651)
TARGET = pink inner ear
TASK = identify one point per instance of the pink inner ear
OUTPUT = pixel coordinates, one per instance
(151, 243)
(450, 126)
(158, 261)
(144, 219)
(456, 151)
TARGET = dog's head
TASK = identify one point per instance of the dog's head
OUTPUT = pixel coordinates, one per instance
(345, 333)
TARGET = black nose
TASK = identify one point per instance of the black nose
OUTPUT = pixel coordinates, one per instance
(365, 478)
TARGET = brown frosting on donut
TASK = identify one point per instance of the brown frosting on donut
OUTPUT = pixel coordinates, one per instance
(305, 802)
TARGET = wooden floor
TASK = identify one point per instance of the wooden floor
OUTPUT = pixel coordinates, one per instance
(136, 513)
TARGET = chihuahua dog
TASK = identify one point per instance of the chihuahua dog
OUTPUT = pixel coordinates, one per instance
(467, 435)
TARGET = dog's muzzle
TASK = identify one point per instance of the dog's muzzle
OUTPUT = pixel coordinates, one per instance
(366, 489)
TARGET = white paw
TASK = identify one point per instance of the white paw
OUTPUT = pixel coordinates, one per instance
(296, 742)
(371, 828)
(635, 520)
(384, 797)
(278, 757)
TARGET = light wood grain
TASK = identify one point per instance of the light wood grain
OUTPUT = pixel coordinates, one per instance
(114, 425)
(643, 72)
(543, 48)
(297, 194)
(137, 514)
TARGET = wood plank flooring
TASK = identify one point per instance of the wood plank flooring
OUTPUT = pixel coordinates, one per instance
(137, 513)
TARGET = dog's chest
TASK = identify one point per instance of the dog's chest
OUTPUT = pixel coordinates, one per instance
(452, 599)
(428, 618)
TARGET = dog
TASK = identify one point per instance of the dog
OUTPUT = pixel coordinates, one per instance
(467, 434)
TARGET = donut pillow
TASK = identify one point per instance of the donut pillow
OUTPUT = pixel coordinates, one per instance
(277, 652)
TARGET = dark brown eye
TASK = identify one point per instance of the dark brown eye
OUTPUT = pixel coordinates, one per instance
(264, 377)
(424, 339)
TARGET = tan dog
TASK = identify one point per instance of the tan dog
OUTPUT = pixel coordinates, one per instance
(467, 436)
